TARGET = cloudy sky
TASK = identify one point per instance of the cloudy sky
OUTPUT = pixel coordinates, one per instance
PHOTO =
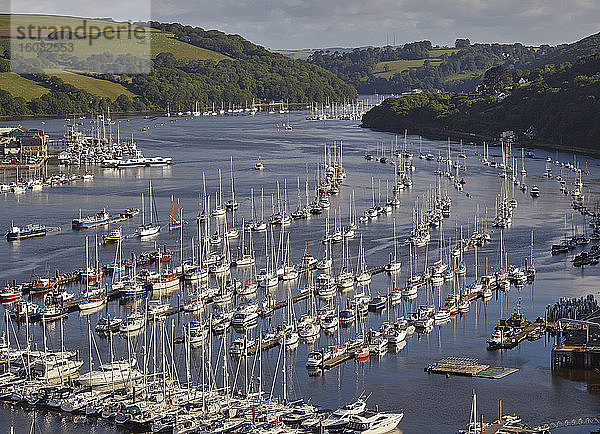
(297, 24)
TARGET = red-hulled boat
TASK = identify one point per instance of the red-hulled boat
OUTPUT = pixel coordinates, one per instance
(163, 256)
(92, 274)
(362, 354)
(41, 286)
(11, 293)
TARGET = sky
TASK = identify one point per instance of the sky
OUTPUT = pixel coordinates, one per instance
(297, 24)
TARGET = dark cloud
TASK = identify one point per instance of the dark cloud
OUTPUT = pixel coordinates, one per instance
(327, 23)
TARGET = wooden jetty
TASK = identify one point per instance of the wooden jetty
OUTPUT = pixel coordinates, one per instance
(295, 299)
(264, 345)
(520, 334)
(338, 360)
(577, 344)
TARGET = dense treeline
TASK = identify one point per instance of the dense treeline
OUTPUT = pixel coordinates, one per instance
(569, 52)
(253, 72)
(63, 99)
(182, 83)
(453, 73)
(249, 73)
(559, 105)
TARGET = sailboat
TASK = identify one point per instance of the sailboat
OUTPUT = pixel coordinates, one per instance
(523, 171)
(150, 228)
(175, 220)
(231, 204)
(362, 275)
(474, 426)
(394, 265)
(261, 226)
(345, 278)
(219, 208)
(203, 213)
(289, 271)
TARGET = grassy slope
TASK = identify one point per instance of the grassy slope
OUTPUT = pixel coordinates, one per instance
(388, 69)
(164, 43)
(160, 42)
(295, 54)
(20, 86)
(11, 20)
(94, 86)
(397, 66)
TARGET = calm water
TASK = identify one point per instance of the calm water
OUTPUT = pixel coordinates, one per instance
(432, 403)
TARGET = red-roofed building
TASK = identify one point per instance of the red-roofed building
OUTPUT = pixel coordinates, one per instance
(31, 143)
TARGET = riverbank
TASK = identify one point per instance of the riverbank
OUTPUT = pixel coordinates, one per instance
(468, 138)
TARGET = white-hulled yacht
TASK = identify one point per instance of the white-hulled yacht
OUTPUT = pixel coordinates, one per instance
(118, 373)
(373, 422)
(340, 417)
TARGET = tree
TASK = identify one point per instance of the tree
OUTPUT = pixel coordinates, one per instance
(497, 78)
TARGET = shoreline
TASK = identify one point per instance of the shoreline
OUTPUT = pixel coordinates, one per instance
(76, 115)
(453, 135)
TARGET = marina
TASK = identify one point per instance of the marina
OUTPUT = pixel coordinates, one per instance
(238, 276)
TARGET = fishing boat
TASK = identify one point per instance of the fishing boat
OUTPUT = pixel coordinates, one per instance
(164, 281)
(91, 274)
(377, 303)
(98, 219)
(309, 330)
(113, 236)
(43, 285)
(316, 359)
(130, 212)
(11, 293)
(52, 312)
(29, 231)
(362, 353)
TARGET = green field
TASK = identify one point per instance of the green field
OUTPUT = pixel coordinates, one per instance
(95, 86)
(462, 76)
(295, 54)
(19, 86)
(152, 44)
(388, 69)
(164, 43)
(437, 52)
(8, 21)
